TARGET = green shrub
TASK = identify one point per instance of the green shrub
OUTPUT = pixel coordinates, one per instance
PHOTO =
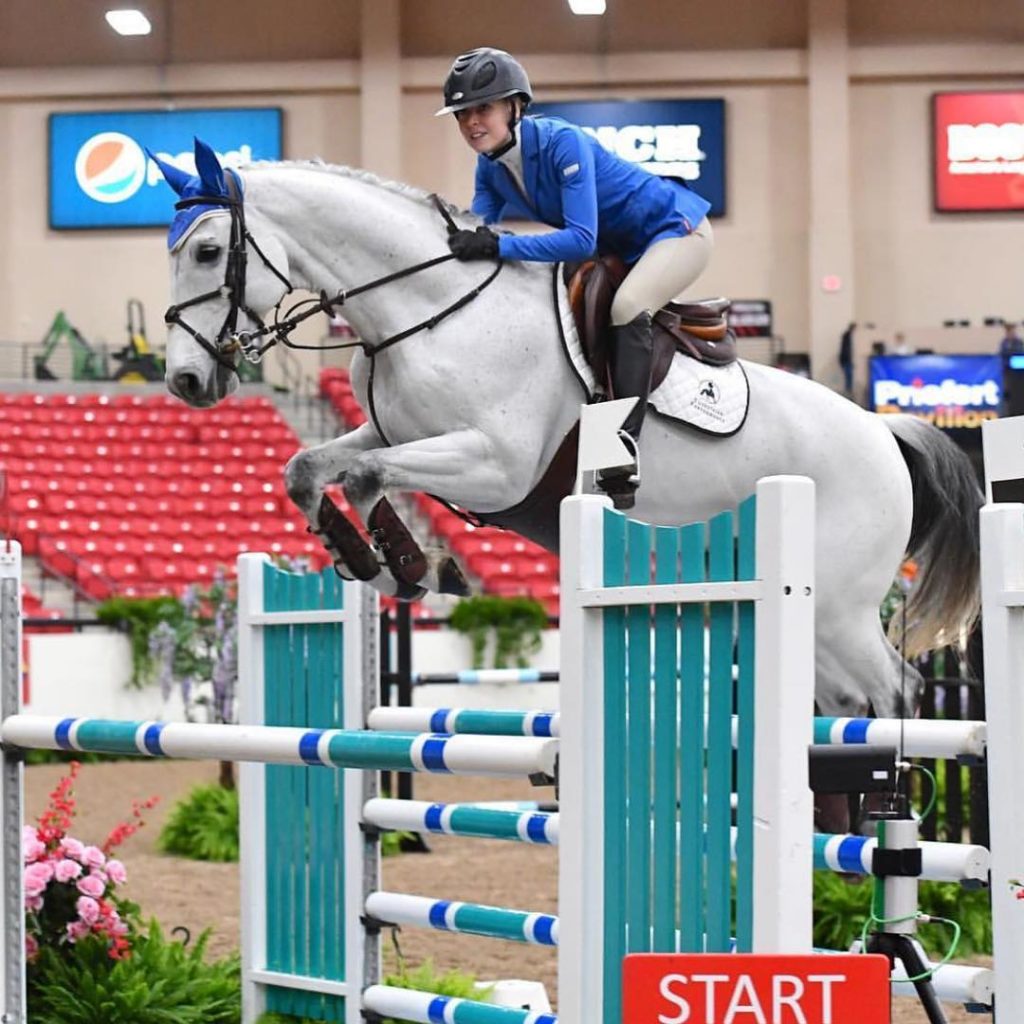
(425, 978)
(163, 982)
(203, 826)
(841, 906)
(140, 616)
(517, 623)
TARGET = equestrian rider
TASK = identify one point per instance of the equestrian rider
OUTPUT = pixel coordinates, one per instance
(547, 170)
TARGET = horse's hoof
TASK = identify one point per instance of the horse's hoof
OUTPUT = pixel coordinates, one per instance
(450, 578)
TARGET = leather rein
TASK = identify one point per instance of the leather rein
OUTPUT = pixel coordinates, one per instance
(252, 345)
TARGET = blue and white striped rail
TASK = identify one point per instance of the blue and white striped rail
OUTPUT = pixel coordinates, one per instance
(468, 721)
(462, 820)
(938, 739)
(460, 755)
(424, 1008)
(940, 862)
(484, 676)
(468, 918)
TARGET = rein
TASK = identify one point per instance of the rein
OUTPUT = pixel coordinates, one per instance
(231, 341)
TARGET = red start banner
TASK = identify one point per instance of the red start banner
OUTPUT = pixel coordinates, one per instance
(979, 150)
(731, 988)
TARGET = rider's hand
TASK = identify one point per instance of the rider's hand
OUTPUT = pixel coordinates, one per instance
(481, 244)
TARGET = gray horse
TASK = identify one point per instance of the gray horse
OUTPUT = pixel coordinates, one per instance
(474, 405)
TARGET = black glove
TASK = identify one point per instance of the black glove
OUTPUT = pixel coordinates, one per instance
(481, 244)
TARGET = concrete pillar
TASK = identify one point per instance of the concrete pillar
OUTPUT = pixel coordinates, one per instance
(830, 217)
(381, 88)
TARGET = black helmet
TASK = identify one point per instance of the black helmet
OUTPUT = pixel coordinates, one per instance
(481, 75)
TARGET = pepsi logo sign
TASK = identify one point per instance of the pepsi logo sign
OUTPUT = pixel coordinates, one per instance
(110, 167)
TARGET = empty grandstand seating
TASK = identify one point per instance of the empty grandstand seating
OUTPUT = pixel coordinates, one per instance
(504, 562)
(140, 495)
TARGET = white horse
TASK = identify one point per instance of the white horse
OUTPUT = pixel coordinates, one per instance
(474, 406)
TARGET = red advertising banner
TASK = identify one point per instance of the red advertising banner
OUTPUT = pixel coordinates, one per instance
(734, 988)
(978, 150)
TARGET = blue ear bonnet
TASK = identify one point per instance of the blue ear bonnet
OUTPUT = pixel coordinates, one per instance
(208, 183)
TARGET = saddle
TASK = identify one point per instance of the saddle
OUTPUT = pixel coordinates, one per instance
(698, 329)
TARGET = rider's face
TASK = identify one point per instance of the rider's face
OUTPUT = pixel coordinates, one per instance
(485, 126)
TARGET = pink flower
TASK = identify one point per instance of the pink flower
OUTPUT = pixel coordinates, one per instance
(31, 848)
(116, 872)
(93, 857)
(91, 886)
(65, 870)
(33, 904)
(37, 878)
(88, 910)
(31, 947)
(72, 848)
(77, 930)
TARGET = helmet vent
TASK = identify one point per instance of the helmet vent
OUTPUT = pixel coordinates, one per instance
(485, 75)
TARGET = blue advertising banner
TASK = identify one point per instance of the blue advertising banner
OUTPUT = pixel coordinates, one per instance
(100, 176)
(682, 139)
(953, 392)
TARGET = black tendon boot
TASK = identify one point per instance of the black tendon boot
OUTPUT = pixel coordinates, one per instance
(632, 353)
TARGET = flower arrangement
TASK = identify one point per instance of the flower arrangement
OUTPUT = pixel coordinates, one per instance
(70, 887)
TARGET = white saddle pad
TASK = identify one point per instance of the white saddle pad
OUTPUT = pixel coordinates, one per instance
(712, 399)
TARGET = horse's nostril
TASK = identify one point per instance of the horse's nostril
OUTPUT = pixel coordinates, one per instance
(187, 385)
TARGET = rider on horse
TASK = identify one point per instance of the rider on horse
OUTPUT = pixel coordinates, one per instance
(553, 172)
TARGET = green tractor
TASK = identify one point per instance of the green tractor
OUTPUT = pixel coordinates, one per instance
(86, 362)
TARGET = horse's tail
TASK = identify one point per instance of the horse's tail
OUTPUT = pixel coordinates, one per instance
(945, 600)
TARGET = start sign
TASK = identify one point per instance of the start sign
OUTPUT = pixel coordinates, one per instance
(734, 988)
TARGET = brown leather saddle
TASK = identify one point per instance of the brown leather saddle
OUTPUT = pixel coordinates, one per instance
(698, 329)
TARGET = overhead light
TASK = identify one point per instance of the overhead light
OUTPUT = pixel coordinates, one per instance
(129, 22)
(587, 6)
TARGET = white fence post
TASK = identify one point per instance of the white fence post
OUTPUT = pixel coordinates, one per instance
(1002, 586)
(784, 709)
(581, 766)
(251, 787)
(12, 980)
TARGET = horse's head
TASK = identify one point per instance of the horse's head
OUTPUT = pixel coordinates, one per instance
(222, 278)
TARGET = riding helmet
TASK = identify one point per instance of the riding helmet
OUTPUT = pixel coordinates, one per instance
(482, 75)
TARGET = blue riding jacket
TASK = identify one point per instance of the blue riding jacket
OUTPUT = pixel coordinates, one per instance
(597, 201)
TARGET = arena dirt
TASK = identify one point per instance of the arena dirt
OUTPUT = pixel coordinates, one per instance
(199, 896)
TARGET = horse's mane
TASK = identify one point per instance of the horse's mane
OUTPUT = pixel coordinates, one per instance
(399, 188)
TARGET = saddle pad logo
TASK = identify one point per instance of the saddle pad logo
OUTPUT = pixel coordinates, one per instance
(110, 167)
(710, 391)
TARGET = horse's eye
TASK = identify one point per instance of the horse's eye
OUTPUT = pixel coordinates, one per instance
(207, 252)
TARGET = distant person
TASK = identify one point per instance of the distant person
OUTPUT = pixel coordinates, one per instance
(1011, 343)
(846, 357)
(899, 345)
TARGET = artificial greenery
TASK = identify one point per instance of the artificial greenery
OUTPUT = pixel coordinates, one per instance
(162, 982)
(515, 622)
(140, 616)
(203, 826)
(841, 906)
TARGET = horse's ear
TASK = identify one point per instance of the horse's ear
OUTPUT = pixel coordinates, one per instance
(211, 174)
(174, 176)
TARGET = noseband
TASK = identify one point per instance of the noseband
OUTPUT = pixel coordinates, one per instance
(251, 344)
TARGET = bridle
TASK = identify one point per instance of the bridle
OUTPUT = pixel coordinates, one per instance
(252, 345)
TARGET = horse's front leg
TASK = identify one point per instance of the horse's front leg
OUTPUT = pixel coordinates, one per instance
(459, 465)
(307, 474)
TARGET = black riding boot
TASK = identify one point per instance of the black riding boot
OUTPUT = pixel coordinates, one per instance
(632, 354)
